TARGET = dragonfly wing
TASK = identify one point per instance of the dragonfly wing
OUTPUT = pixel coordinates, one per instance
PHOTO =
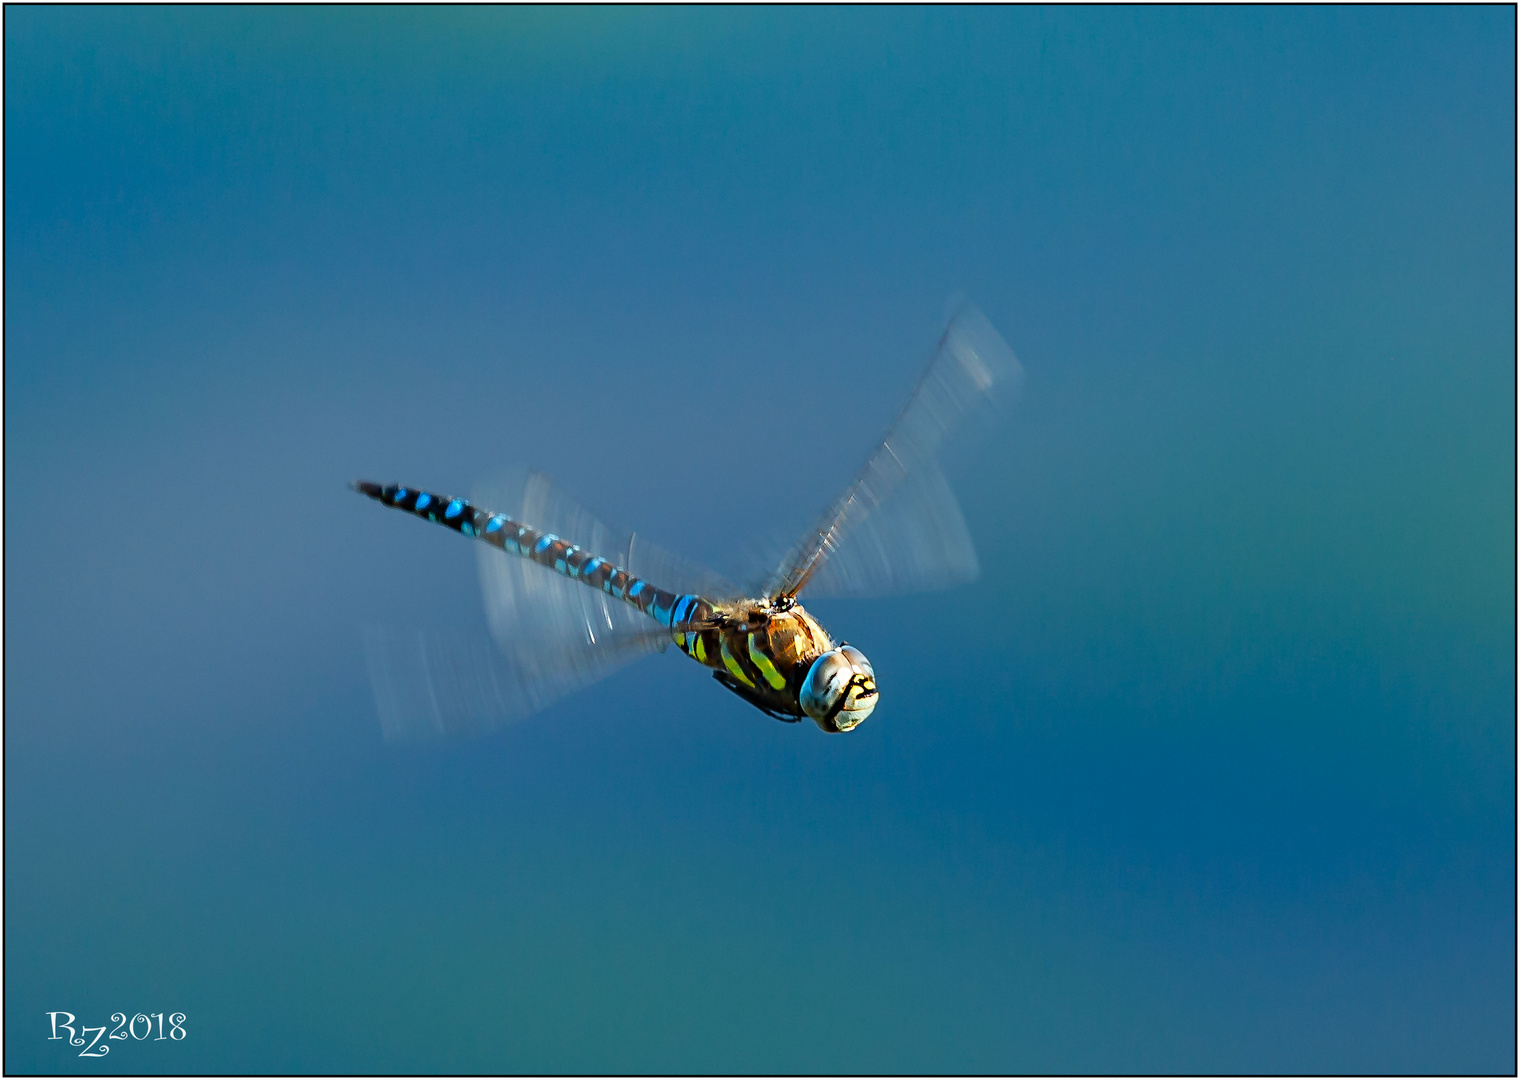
(430, 684)
(897, 527)
(914, 541)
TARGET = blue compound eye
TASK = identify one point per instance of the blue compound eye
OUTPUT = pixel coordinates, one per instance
(840, 689)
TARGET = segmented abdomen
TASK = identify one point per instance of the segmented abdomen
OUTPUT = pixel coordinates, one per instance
(679, 613)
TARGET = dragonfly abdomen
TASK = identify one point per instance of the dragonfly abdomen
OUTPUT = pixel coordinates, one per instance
(547, 550)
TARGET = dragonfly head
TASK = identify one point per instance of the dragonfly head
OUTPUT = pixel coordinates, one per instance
(840, 689)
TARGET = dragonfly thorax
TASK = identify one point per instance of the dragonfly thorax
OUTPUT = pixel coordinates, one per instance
(766, 653)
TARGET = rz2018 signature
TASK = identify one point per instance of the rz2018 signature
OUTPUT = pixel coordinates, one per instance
(141, 1028)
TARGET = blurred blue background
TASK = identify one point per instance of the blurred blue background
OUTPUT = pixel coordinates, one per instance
(1214, 771)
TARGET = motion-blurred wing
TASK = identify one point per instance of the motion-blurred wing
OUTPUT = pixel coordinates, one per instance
(914, 541)
(898, 527)
(552, 636)
(430, 684)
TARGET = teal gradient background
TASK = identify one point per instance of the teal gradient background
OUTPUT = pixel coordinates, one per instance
(1212, 771)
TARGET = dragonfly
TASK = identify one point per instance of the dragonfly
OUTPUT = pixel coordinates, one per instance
(574, 600)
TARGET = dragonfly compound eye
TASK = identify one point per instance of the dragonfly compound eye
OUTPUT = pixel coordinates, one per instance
(840, 689)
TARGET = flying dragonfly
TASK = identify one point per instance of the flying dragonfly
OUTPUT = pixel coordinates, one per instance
(577, 600)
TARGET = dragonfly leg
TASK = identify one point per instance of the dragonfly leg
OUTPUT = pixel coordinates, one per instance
(754, 699)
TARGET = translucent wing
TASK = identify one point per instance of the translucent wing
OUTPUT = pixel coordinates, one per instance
(552, 636)
(897, 527)
(430, 684)
(914, 541)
